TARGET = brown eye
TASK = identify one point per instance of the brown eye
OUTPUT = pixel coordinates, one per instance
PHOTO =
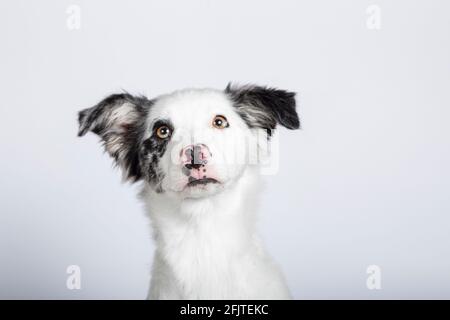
(220, 122)
(163, 132)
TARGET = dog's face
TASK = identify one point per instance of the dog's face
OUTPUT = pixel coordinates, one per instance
(192, 143)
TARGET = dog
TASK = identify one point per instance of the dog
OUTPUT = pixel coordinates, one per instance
(191, 149)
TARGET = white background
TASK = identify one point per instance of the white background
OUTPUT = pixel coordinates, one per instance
(366, 181)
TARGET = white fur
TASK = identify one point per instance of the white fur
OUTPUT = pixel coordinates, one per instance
(207, 246)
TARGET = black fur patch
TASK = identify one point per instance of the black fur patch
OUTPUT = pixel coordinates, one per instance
(153, 148)
(119, 120)
(264, 107)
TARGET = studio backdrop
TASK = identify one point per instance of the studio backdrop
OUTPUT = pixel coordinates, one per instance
(359, 206)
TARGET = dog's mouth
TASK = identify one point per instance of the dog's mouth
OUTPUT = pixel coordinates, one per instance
(203, 181)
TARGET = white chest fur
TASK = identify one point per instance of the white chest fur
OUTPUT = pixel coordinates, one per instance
(209, 249)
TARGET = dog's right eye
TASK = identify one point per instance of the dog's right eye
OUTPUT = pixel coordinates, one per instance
(163, 132)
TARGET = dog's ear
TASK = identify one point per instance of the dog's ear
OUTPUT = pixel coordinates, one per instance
(264, 107)
(119, 121)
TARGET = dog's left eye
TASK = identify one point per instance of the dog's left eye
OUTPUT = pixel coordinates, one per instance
(220, 122)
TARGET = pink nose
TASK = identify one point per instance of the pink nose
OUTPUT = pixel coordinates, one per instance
(195, 156)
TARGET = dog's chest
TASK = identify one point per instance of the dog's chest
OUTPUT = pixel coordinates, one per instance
(208, 261)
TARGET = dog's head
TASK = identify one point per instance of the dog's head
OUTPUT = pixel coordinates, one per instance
(192, 142)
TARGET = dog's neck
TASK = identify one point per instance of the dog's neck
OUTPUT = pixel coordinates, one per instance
(225, 220)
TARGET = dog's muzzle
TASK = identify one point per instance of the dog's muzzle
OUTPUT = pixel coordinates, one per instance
(195, 161)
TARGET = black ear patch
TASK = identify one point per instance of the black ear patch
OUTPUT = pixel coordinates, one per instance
(119, 120)
(264, 107)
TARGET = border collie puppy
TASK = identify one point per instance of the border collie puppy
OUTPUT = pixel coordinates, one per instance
(198, 154)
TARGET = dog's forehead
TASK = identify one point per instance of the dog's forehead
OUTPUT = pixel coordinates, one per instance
(190, 104)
